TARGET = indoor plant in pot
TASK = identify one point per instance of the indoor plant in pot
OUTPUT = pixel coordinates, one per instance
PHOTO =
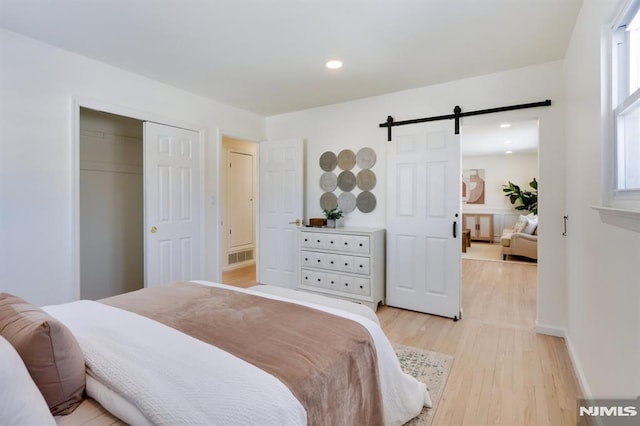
(332, 215)
(528, 199)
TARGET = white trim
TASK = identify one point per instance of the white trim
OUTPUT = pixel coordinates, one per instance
(77, 102)
(549, 330)
(622, 218)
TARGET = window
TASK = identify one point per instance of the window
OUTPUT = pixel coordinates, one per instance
(626, 100)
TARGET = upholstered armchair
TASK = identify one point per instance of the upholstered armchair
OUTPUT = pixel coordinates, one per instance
(521, 240)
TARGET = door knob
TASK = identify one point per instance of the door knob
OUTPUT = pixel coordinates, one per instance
(154, 229)
(297, 222)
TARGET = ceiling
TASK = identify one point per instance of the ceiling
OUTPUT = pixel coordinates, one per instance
(520, 137)
(267, 56)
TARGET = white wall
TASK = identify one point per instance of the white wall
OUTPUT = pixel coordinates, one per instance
(355, 124)
(499, 170)
(37, 182)
(602, 260)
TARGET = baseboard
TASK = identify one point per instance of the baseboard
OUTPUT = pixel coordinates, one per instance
(573, 355)
(550, 330)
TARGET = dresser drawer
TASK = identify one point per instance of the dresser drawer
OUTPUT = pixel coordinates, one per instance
(314, 278)
(355, 285)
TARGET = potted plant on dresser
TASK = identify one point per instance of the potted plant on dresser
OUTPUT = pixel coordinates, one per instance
(332, 216)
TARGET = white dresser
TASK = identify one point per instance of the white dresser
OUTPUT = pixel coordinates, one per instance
(346, 263)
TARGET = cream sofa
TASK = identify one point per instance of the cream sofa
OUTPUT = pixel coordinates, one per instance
(516, 241)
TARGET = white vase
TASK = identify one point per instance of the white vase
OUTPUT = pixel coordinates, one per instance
(331, 223)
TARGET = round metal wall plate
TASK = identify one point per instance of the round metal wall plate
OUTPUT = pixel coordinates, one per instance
(366, 158)
(347, 202)
(328, 161)
(346, 181)
(328, 181)
(366, 202)
(328, 201)
(346, 159)
(366, 180)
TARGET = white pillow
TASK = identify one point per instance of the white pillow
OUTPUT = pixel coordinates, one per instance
(21, 403)
(521, 224)
(532, 224)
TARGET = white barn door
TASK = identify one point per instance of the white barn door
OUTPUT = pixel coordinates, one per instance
(424, 219)
(172, 203)
(281, 204)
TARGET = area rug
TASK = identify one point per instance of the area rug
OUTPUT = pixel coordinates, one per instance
(431, 368)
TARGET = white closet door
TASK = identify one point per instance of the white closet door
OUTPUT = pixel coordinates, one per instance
(173, 206)
(424, 220)
(281, 201)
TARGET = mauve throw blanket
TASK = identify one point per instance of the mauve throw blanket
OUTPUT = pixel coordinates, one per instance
(328, 362)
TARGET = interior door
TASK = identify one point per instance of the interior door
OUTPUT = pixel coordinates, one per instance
(172, 186)
(424, 220)
(240, 209)
(281, 208)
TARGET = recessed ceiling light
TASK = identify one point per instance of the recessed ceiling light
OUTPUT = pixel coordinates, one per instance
(505, 125)
(334, 64)
(508, 142)
(508, 152)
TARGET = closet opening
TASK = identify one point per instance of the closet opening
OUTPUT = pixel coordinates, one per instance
(111, 204)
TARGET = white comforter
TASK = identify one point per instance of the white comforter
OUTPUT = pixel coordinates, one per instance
(145, 372)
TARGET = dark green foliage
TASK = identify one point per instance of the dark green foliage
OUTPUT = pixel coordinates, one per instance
(528, 199)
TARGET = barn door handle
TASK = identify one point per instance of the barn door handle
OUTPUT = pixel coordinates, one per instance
(455, 225)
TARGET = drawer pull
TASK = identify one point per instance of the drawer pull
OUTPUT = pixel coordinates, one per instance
(318, 240)
(318, 260)
(360, 244)
(360, 286)
(332, 262)
(318, 279)
(346, 264)
(346, 284)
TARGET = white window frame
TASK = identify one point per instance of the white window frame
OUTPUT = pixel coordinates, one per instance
(620, 208)
(622, 102)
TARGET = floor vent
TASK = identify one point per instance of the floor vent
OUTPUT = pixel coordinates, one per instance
(241, 256)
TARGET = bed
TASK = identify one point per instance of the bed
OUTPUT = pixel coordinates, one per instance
(206, 353)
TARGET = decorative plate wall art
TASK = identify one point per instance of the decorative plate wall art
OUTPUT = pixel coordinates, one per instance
(354, 173)
(366, 180)
(366, 202)
(328, 201)
(328, 161)
(328, 182)
(347, 202)
(346, 159)
(366, 158)
(346, 181)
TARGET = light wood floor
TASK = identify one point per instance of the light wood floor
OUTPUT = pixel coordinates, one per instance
(503, 373)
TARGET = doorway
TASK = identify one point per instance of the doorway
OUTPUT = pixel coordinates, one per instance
(239, 183)
(111, 204)
(493, 154)
(495, 290)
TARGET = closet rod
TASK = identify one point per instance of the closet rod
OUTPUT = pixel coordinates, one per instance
(457, 114)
